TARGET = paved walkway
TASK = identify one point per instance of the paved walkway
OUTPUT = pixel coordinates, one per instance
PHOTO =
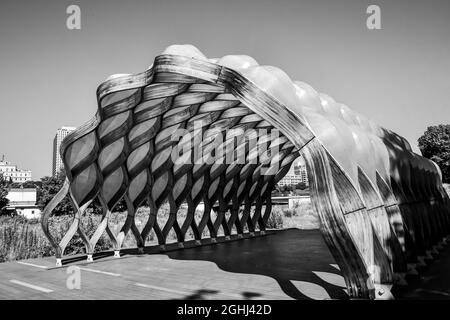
(289, 264)
(434, 281)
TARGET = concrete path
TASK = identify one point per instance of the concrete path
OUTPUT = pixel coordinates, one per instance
(290, 264)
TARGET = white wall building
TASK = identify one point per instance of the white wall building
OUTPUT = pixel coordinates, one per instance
(23, 201)
(61, 133)
(296, 174)
(10, 172)
(300, 170)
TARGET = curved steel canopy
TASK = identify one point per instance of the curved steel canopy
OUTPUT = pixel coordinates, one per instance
(382, 207)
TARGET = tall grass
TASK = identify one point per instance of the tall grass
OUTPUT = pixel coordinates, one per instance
(301, 216)
(24, 239)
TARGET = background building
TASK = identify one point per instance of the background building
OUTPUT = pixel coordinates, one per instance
(296, 174)
(61, 133)
(23, 201)
(10, 172)
(300, 170)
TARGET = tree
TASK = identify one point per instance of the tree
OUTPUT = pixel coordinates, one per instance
(48, 188)
(435, 145)
(25, 185)
(285, 188)
(14, 185)
(301, 186)
(3, 193)
(31, 184)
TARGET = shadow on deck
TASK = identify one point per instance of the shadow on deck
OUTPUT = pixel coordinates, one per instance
(298, 260)
(286, 264)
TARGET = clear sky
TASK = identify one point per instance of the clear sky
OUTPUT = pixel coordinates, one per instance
(398, 76)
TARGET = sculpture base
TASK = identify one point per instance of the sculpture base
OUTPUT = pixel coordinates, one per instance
(421, 261)
(399, 279)
(383, 292)
(412, 269)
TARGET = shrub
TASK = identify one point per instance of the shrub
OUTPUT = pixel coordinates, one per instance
(275, 220)
(289, 213)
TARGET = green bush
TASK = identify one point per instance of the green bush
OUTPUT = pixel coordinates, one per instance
(289, 213)
(275, 220)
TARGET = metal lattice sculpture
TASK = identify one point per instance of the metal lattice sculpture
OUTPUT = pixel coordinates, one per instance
(382, 208)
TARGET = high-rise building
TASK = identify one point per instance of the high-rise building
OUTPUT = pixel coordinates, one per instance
(11, 173)
(296, 174)
(300, 170)
(61, 133)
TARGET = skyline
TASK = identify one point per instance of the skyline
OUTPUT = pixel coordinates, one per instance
(50, 73)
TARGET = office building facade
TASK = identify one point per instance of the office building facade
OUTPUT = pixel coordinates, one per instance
(61, 133)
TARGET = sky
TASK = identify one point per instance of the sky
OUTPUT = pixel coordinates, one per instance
(398, 76)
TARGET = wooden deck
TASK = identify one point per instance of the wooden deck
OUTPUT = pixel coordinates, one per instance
(289, 264)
